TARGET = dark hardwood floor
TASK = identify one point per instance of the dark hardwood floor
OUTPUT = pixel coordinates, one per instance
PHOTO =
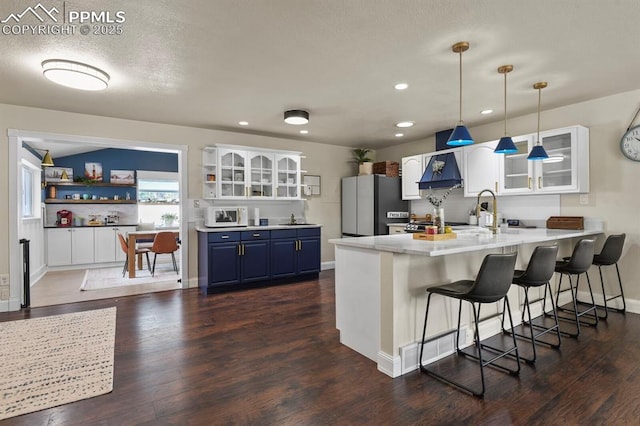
(272, 356)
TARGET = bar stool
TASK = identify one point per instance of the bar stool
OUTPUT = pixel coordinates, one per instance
(491, 285)
(577, 264)
(538, 273)
(610, 254)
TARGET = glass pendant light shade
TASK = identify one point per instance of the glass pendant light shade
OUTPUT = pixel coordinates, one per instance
(537, 152)
(506, 146)
(460, 135)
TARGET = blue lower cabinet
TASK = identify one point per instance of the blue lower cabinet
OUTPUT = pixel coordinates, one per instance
(229, 259)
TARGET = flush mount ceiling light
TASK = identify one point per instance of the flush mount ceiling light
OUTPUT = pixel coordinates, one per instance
(243, 123)
(75, 74)
(486, 111)
(538, 152)
(460, 135)
(296, 117)
(401, 86)
(506, 145)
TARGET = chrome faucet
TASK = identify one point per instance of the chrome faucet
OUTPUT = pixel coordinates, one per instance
(494, 227)
(292, 221)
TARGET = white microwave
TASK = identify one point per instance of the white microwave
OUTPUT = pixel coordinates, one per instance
(226, 216)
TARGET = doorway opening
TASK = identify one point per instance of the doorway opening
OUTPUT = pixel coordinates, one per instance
(97, 200)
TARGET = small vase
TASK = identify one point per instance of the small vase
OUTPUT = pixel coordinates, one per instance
(438, 219)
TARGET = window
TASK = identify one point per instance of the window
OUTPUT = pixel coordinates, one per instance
(30, 191)
(158, 195)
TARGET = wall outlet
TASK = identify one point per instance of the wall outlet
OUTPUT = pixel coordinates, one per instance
(584, 199)
(4, 280)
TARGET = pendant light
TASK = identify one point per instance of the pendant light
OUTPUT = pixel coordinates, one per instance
(538, 152)
(460, 135)
(296, 117)
(506, 145)
(47, 161)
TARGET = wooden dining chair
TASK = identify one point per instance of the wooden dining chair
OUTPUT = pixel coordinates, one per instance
(164, 243)
(139, 251)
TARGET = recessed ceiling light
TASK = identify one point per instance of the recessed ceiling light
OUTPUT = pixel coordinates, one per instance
(486, 111)
(401, 86)
(399, 135)
(296, 117)
(304, 132)
(75, 74)
(243, 123)
(405, 124)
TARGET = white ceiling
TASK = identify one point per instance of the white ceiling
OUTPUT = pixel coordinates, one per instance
(211, 63)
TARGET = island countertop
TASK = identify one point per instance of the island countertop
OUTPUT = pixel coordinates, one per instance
(468, 239)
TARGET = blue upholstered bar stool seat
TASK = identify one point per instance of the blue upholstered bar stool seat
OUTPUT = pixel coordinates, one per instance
(576, 265)
(491, 285)
(537, 274)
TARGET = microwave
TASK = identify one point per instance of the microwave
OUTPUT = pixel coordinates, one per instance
(226, 216)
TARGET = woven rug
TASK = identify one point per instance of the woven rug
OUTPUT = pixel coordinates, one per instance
(98, 279)
(55, 360)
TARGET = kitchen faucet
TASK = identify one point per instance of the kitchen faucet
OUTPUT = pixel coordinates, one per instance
(494, 227)
(292, 221)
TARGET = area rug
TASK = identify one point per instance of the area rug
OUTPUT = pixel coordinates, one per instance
(102, 278)
(55, 360)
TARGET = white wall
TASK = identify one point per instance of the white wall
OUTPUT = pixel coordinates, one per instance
(613, 178)
(329, 161)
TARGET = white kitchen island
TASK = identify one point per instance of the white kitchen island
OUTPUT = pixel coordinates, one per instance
(381, 283)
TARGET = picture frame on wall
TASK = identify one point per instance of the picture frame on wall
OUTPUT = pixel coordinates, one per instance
(58, 174)
(122, 177)
(93, 171)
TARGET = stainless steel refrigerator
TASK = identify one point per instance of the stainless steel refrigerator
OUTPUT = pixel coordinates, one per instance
(369, 203)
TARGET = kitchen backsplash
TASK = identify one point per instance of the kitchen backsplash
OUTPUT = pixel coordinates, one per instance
(128, 213)
(277, 212)
(530, 210)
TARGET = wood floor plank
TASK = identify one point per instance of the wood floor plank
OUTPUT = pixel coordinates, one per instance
(272, 356)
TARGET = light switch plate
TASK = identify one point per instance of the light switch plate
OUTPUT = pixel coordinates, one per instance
(584, 199)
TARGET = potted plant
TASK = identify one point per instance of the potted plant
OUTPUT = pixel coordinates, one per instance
(361, 156)
(169, 218)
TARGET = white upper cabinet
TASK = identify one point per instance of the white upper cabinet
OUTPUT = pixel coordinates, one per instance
(566, 170)
(287, 176)
(412, 170)
(481, 168)
(240, 173)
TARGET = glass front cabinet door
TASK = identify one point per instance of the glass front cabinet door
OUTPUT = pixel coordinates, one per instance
(287, 176)
(261, 174)
(232, 173)
(515, 170)
(567, 168)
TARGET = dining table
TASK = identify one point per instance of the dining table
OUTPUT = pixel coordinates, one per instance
(133, 238)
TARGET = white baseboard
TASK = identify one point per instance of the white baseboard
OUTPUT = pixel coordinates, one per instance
(389, 365)
(328, 265)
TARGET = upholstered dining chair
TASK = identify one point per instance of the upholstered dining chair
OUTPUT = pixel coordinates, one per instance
(139, 251)
(164, 243)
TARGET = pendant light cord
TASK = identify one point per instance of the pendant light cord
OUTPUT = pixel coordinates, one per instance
(505, 104)
(460, 103)
(539, 96)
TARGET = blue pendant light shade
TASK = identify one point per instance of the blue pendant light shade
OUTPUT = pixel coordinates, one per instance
(538, 152)
(506, 145)
(460, 135)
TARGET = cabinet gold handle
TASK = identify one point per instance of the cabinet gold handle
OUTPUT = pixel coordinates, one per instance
(299, 245)
(243, 249)
(539, 182)
(529, 183)
(239, 250)
(496, 186)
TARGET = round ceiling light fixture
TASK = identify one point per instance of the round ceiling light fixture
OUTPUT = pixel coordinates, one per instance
(404, 124)
(296, 117)
(75, 74)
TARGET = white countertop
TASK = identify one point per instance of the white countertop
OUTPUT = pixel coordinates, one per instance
(257, 228)
(468, 239)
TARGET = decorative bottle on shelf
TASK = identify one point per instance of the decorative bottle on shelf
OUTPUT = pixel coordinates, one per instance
(438, 219)
(52, 192)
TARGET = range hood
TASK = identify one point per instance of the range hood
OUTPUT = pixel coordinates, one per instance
(441, 172)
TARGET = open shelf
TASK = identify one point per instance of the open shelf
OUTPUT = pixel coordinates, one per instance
(104, 184)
